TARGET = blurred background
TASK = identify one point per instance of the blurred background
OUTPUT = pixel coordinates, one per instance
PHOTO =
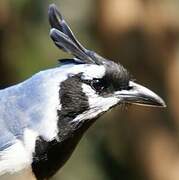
(137, 143)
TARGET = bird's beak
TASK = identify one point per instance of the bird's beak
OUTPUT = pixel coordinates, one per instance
(140, 95)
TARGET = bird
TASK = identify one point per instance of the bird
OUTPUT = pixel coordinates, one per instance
(43, 118)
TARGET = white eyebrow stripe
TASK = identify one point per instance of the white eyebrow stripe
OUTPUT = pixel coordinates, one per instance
(89, 71)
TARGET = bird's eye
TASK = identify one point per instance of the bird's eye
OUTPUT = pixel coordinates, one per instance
(98, 85)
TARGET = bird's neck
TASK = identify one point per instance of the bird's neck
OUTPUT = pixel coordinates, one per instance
(51, 156)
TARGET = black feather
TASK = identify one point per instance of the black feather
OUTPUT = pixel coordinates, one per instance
(70, 61)
(64, 38)
(64, 42)
(57, 21)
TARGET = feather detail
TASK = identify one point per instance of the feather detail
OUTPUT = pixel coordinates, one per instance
(64, 42)
(64, 38)
(70, 61)
(57, 21)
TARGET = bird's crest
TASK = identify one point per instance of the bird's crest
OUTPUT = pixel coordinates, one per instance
(64, 38)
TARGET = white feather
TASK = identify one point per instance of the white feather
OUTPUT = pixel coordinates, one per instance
(19, 155)
(22, 175)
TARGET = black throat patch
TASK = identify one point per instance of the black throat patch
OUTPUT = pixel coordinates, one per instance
(51, 156)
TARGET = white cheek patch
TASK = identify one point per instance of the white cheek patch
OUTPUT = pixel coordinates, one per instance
(19, 155)
(97, 104)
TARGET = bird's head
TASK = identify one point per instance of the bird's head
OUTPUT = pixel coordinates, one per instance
(93, 84)
(89, 86)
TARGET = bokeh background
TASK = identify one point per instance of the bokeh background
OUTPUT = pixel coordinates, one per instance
(137, 143)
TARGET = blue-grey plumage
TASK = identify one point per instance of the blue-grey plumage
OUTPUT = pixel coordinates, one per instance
(43, 118)
(32, 105)
(26, 104)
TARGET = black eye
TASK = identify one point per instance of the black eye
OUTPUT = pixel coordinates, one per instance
(98, 85)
